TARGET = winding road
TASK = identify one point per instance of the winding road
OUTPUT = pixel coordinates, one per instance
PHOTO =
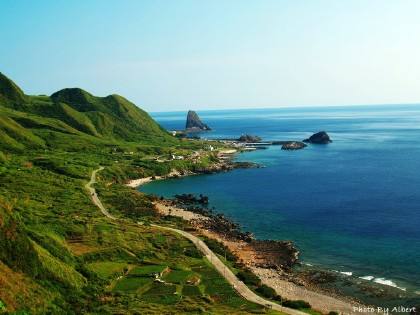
(230, 277)
(94, 195)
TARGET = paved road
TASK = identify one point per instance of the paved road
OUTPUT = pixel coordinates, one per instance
(238, 285)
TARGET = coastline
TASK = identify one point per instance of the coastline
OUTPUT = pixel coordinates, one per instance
(134, 183)
(279, 279)
(224, 164)
(286, 284)
(270, 275)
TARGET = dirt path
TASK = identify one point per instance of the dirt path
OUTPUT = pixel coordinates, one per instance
(94, 195)
(238, 285)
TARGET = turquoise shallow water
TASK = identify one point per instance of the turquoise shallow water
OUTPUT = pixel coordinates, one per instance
(351, 206)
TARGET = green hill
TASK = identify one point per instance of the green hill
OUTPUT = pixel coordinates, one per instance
(10, 93)
(31, 121)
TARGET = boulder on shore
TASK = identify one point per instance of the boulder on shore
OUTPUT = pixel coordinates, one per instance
(319, 138)
(249, 139)
(293, 145)
(194, 122)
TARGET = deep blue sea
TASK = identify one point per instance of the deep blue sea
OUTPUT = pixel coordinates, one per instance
(351, 206)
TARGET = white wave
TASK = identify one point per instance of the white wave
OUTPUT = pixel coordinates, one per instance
(347, 273)
(388, 283)
(308, 264)
(368, 278)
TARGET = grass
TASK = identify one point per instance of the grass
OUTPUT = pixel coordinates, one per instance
(161, 289)
(127, 284)
(191, 290)
(148, 270)
(107, 269)
(58, 270)
(181, 276)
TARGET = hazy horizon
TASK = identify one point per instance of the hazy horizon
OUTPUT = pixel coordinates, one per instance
(186, 109)
(185, 54)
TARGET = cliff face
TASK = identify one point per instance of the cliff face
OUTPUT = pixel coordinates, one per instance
(194, 122)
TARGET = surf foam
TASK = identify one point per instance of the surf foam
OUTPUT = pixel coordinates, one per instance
(388, 283)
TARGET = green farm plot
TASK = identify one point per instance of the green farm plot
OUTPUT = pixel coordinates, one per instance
(162, 299)
(161, 289)
(218, 287)
(132, 284)
(191, 290)
(148, 270)
(179, 276)
(107, 269)
(161, 293)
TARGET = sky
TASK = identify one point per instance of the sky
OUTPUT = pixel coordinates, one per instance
(216, 54)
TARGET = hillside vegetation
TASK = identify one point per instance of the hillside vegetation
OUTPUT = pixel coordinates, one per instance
(29, 121)
(58, 253)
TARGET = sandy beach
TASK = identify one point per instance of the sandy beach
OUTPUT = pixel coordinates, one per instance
(141, 181)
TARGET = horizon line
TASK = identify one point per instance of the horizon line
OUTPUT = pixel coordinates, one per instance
(284, 107)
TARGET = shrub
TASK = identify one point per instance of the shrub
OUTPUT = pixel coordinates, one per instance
(3, 158)
(220, 249)
(297, 304)
(266, 291)
(2, 306)
(193, 252)
(249, 278)
(333, 313)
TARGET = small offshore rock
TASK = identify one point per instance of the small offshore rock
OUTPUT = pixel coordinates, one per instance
(293, 145)
(249, 138)
(319, 138)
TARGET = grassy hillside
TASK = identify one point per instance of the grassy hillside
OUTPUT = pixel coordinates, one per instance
(58, 253)
(30, 121)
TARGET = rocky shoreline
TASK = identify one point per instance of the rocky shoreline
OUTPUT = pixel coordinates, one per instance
(279, 255)
(275, 262)
(271, 260)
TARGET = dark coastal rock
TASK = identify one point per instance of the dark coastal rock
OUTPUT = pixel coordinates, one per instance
(270, 254)
(319, 138)
(293, 145)
(194, 122)
(190, 198)
(245, 164)
(225, 166)
(249, 139)
(281, 254)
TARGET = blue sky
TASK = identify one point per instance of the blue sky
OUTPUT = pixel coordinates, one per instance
(180, 54)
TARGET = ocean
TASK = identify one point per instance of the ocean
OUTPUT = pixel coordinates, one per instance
(352, 206)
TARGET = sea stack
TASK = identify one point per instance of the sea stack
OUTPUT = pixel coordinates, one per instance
(319, 138)
(194, 122)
